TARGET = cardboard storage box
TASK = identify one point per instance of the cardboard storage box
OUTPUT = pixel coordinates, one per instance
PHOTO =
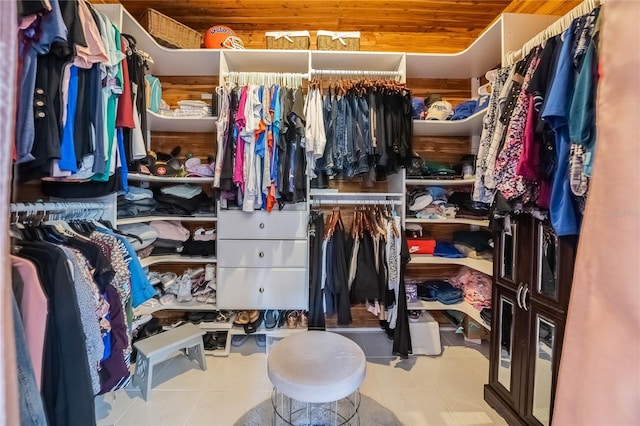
(473, 330)
(425, 335)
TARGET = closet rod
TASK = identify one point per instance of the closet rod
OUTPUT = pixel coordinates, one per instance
(357, 72)
(558, 27)
(272, 74)
(54, 207)
(319, 202)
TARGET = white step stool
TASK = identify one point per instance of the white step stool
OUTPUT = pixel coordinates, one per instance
(160, 347)
(425, 335)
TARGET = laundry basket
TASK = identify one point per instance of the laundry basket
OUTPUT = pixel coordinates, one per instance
(169, 32)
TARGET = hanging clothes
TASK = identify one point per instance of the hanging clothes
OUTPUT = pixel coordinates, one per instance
(316, 306)
(261, 146)
(537, 146)
(367, 129)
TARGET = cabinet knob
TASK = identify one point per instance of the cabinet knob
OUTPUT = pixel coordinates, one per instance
(261, 254)
(262, 226)
(261, 289)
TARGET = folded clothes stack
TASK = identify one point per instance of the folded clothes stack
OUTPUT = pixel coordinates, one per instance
(182, 199)
(136, 202)
(474, 244)
(441, 291)
(436, 203)
(476, 287)
(188, 108)
(427, 169)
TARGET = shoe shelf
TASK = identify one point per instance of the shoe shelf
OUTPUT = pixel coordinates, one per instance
(167, 123)
(476, 222)
(273, 332)
(139, 177)
(484, 266)
(175, 258)
(178, 306)
(469, 126)
(441, 182)
(464, 307)
(139, 219)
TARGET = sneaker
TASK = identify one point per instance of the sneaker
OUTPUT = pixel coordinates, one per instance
(210, 272)
(419, 199)
(184, 289)
(141, 320)
(414, 316)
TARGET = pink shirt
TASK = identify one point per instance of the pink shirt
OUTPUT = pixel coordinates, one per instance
(34, 311)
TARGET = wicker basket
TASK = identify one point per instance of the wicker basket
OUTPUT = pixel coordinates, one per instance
(291, 40)
(169, 32)
(329, 40)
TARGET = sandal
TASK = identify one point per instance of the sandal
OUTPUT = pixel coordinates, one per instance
(271, 319)
(242, 318)
(303, 319)
(168, 279)
(254, 315)
(223, 316)
(292, 319)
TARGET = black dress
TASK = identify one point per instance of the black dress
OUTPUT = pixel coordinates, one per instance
(402, 337)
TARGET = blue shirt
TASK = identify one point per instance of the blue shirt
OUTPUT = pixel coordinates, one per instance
(141, 289)
(556, 112)
(67, 149)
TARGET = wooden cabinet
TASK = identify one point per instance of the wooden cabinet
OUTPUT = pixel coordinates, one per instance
(533, 270)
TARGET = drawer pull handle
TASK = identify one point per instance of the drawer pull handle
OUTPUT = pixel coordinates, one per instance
(261, 254)
(261, 290)
(262, 226)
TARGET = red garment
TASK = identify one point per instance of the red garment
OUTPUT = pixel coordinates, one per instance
(124, 117)
(529, 161)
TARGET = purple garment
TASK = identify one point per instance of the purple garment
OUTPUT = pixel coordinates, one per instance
(114, 368)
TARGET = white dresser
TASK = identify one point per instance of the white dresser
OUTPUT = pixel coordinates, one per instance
(262, 260)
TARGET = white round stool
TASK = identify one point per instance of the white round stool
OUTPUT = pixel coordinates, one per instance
(311, 370)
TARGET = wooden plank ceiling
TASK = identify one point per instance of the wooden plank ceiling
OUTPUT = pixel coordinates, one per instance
(436, 26)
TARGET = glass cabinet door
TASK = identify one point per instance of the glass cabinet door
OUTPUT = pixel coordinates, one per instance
(545, 333)
(547, 269)
(508, 243)
(505, 332)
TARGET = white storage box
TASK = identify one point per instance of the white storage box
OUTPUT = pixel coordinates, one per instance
(425, 335)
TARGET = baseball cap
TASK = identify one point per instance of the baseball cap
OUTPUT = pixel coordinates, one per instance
(440, 110)
(196, 168)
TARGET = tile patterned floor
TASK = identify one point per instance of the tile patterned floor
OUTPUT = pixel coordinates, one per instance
(184, 395)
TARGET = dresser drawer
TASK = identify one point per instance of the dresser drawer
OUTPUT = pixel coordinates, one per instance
(262, 253)
(262, 225)
(262, 288)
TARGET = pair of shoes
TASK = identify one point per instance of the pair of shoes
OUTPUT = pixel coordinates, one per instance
(196, 317)
(184, 289)
(210, 341)
(253, 326)
(261, 340)
(297, 319)
(221, 338)
(239, 339)
(271, 319)
(246, 317)
(208, 297)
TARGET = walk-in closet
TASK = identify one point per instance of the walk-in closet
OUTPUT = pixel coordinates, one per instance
(313, 213)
